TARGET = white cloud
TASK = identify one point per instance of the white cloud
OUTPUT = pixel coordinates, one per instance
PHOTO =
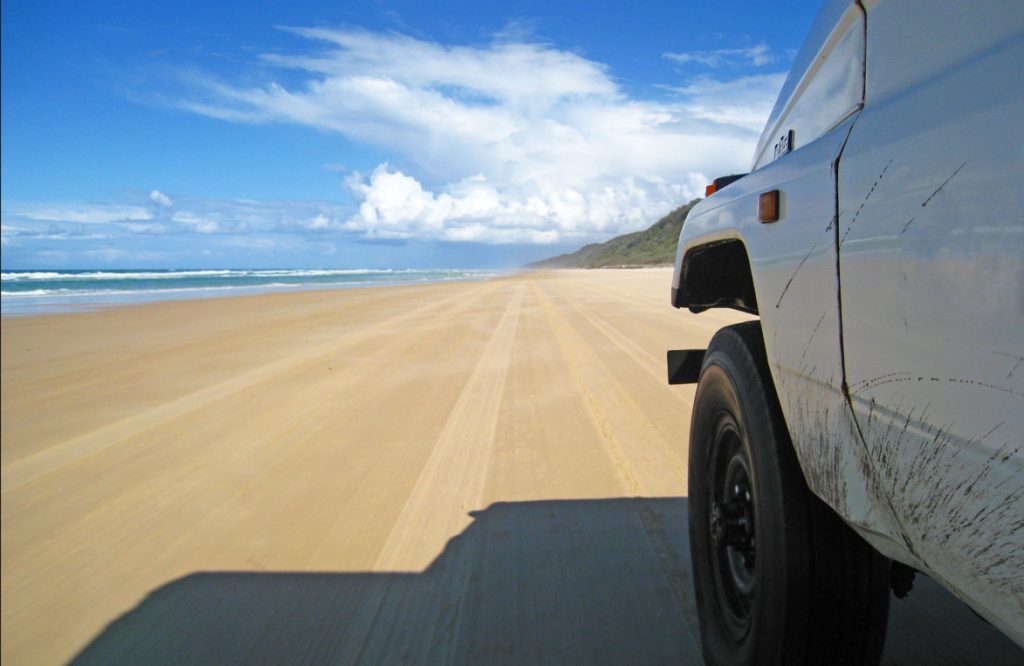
(160, 199)
(307, 217)
(202, 225)
(509, 142)
(50, 232)
(92, 213)
(758, 55)
(502, 142)
(319, 223)
(525, 74)
(743, 102)
(112, 220)
(395, 205)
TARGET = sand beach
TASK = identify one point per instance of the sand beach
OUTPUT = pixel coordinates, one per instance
(475, 472)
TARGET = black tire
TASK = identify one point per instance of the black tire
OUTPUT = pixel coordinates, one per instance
(779, 578)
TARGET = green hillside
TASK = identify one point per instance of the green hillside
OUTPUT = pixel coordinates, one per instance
(654, 246)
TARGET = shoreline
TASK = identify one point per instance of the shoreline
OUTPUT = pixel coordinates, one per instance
(56, 301)
(120, 300)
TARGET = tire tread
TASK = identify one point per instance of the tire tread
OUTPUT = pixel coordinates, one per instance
(836, 605)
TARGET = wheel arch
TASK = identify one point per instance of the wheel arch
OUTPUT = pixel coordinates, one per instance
(716, 275)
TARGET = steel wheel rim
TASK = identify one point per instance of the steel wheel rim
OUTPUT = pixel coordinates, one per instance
(731, 525)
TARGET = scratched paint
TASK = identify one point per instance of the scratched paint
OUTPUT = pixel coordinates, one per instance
(896, 343)
(960, 502)
(932, 259)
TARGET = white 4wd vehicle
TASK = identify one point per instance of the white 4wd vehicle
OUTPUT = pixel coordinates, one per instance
(872, 422)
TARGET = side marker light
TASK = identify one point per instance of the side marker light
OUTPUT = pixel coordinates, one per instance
(768, 207)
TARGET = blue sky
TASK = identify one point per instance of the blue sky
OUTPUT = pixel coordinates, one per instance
(371, 134)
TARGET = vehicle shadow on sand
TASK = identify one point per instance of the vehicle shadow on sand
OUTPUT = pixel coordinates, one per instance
(561, 582)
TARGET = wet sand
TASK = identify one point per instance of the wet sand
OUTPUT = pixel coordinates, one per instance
(482, 472)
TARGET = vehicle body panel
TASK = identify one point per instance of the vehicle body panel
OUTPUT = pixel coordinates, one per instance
(904, 390)
(932, 273)
(793, 266)
(825, 85)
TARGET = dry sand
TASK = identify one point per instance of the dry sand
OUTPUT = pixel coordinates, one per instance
(473, 473)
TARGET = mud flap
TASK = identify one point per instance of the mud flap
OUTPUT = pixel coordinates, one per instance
(684, 365)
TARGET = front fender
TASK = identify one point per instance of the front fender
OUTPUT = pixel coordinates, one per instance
(791, 270)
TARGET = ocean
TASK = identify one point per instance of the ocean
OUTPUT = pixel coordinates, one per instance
(36, 292)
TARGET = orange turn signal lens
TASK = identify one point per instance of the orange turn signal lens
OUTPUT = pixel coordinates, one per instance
(768, 207)
(709, 190)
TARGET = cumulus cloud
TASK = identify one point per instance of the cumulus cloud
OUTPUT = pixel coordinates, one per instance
(396, 205)
(319, 223)
(505, 142)
(160, 199)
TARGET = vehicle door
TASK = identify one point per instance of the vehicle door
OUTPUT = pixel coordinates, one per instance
(931, 251)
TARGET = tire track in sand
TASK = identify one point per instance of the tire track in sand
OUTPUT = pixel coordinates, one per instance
(645, 460)
(25, 470)
(151, 504)
(452, 481)
(647, 465)
(437, 509)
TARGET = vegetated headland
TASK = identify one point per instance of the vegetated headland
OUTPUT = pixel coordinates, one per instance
(655, 246)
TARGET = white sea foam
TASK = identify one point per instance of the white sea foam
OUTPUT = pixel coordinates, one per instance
(53, 291)
(19, 276)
